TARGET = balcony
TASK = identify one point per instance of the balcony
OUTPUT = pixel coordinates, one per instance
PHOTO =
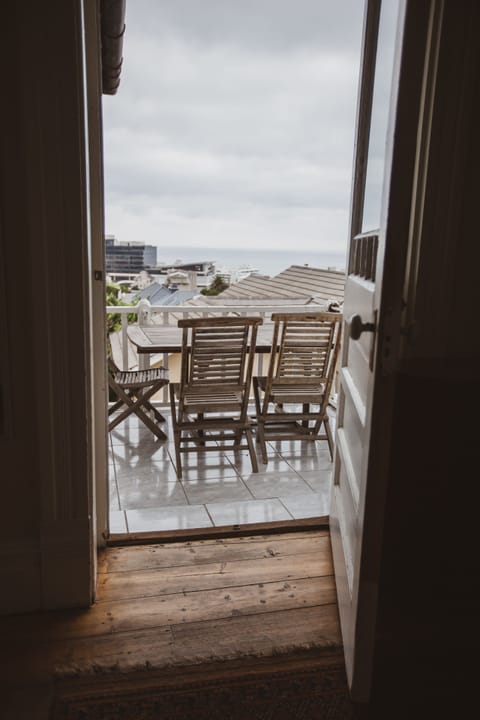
(217, 489)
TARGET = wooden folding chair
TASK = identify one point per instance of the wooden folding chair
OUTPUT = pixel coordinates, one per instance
(134, 388)
(210, 403)
(302, 366)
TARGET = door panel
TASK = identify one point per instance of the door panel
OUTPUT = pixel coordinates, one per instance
(374, 295)
(357, 379)
(350, 475)
(351, 433)
(347, 511)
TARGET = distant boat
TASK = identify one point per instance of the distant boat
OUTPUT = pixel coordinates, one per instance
(243, 271)
(237, 273)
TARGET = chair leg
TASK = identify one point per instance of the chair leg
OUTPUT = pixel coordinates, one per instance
(263, 444)
(251, 450)
(328, 433)
(201, 433)
(323, 418)
(136, 407)
(158, 416)
(256, 395)
(260, 423)
(177, 433)
(306, 410)
(115, 407)
(141, 394)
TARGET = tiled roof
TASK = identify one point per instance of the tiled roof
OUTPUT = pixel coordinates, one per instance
(158, 294)
(298, 281)
(179, 297)
(243, 301)
(155, 293)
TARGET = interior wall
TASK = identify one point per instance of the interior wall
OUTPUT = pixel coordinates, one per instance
(447, 276)
(18, 532)
(45, 546)
(429, 559)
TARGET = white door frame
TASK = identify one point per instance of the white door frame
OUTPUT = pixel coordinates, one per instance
(95, 294)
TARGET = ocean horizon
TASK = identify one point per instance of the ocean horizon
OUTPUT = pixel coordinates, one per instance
(266, 262)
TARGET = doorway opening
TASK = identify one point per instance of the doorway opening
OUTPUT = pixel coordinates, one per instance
(227, 157)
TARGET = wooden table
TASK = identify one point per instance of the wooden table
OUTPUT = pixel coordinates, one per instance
(167, 339)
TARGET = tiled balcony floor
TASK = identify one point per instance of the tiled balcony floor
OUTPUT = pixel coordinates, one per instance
(217, 488)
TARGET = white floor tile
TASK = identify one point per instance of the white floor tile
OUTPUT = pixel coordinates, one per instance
(117, 522)
(113, 499)
(134, 436)
(276, 485)
(208, 467)
(305, 506)
(243, 465)
(130, 454)
(149, 494)
(161, 472)
(215, 490)
(172, 518)
(243, 513)
(318, 480)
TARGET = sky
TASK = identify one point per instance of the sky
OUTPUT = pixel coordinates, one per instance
(233, 124)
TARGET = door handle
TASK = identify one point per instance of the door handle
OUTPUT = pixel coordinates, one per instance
(357, 327)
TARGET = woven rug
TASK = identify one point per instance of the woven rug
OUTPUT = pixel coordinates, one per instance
(306, 687)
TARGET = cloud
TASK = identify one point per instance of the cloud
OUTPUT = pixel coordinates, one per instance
(234, 123)
(278, 25)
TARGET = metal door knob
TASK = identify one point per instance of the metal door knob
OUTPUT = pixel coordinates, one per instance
(357, 327)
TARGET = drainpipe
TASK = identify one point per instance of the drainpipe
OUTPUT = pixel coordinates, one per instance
(112, 32)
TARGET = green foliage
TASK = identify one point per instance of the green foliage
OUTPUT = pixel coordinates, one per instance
(217, 286)
(114, 322)
(112, 291)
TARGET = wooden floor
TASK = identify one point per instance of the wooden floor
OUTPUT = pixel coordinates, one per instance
(177, 604)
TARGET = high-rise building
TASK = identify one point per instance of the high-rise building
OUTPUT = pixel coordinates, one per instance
(128, 257)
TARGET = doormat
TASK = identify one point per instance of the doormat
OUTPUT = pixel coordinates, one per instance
(306, 687)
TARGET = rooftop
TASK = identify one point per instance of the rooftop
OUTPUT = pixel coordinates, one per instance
(297, 281)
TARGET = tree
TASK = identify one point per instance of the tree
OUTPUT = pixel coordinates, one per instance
(114, 322)
(217, 286)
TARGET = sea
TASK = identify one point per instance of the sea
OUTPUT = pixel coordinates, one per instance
(266, 262)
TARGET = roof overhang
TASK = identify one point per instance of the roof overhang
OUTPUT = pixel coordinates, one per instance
(112, 32)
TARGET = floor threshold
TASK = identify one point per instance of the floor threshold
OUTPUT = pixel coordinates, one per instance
(213, 533)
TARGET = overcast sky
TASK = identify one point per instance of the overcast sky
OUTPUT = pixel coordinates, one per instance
(233, 124)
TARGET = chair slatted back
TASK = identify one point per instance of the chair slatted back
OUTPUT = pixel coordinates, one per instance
(218, 356)
(218, 351)
(304, 347)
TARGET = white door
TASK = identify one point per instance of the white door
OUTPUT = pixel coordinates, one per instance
(389, 104)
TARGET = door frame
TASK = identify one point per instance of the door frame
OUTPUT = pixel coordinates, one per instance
(95, 290)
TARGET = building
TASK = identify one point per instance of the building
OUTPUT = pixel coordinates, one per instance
(422, 570)
(128, 257)
(189, 275)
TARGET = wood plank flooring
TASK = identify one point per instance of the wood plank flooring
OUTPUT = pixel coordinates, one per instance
(175, 604)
